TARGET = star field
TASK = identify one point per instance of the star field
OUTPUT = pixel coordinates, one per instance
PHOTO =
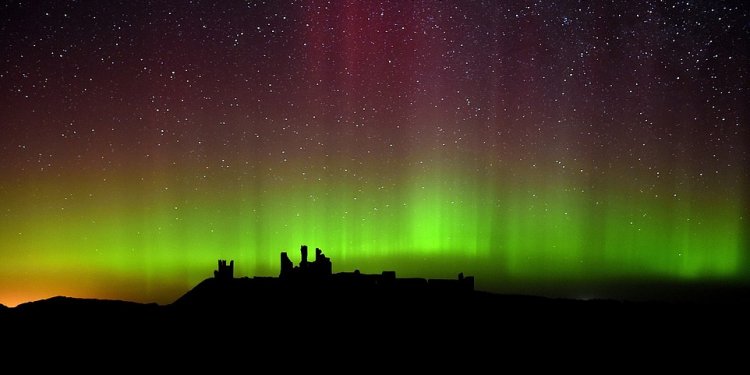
(533, 144)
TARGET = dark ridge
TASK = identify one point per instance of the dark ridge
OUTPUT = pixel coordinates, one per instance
(93, 306)
(308, 303)
(78, 312)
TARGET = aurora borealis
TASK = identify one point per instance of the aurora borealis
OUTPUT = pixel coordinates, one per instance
(541, 146)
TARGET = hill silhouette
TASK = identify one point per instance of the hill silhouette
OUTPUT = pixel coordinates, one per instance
(82, 307)
(308, 303)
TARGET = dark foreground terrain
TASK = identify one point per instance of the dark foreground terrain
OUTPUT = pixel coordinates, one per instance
(218, 312)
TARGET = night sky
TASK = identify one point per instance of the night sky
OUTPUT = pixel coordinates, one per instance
(544, 147)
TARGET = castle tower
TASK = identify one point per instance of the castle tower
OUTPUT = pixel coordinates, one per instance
(303, 261)
(224, 272)
(286, 265)
(322, 263)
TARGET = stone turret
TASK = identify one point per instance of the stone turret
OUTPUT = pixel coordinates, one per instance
(224, 272)
(303, 254)
(286, 265)
(319, 268)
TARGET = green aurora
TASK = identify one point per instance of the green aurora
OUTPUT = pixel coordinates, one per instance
(143, 241)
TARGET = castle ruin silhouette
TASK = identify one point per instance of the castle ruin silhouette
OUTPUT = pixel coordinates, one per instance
(320, 271)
